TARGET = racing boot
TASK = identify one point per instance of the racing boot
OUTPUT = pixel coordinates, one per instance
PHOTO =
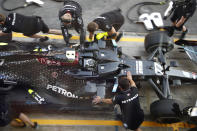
(183, 34)
(44, 39)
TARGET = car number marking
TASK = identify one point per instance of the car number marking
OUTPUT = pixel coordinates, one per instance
(139, 67)
(158, 69)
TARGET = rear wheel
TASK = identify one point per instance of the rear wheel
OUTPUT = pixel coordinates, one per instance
(162, 112)
(158, 39)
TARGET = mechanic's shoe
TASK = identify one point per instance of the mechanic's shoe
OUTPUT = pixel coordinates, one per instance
(170, 30)
(69, 36)
(119, 36)
(44, 39)
(35, 126)
(183, 34)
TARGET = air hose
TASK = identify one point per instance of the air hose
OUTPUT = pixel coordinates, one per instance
(140, 5)
(19, 7)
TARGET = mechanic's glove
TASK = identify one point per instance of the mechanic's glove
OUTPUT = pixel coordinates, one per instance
(101, 35)
(176, 109)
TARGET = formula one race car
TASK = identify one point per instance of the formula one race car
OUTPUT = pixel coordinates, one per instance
(52, 77)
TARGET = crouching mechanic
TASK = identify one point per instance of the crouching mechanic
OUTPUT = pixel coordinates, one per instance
(182, 11)
(71, 17)
(28, 25)
(109, 22)
(10, 116)
(128, 100)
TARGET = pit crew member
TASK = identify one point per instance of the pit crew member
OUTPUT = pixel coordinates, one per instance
(128, 99)
(70, 16)
(109, 22)
(28, 25)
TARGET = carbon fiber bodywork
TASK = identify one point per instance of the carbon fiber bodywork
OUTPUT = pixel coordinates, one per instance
(53, 77)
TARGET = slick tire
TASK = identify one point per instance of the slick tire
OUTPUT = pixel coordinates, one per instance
(158, 39)
(161, 110)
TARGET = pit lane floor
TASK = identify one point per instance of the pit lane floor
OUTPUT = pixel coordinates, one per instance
(101, 121)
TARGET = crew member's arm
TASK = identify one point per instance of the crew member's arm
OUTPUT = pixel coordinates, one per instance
(98, 99)
(6, 30)
(3, 34)
(54, 31)
(129, 77)
(65, 33)
(112, 32)
(79, 25)
(180, 22)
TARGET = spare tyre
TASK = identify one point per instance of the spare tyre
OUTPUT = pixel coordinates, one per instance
(156, 39)
(162, 112)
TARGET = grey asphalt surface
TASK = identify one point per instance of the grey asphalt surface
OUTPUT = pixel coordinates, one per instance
(93, 8)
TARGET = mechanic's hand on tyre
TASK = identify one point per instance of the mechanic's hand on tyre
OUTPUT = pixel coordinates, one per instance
(96, 100)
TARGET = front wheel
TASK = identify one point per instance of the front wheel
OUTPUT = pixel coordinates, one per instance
(158, 39)
(162, 112)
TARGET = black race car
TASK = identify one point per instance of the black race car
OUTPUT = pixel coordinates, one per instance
(54, 77)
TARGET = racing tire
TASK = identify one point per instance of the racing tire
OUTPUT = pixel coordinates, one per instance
(156, 39)
(161, 110)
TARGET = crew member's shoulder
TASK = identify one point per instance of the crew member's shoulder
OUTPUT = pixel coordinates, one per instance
(133, 88)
